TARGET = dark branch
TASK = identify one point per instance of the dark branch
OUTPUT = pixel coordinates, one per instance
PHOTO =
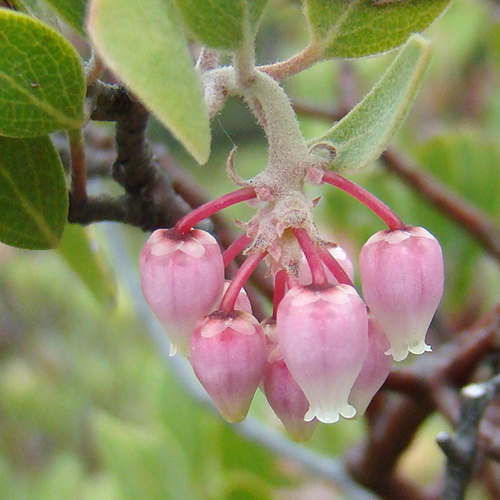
(149, 201)
(108, 102)
(461, 450)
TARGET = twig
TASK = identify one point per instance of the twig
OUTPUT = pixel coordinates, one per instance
(372, 463)
(301, 61)
(150, 201)
(461, 450)
(78, 167)
(393, 423)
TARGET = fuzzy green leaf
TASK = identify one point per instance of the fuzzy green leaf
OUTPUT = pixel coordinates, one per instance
(33, 194)
(42, 87)
(82, 255)
(148, 463)
(362, 135)
(72, 11)
(222, 24)
(358, 28)
(148, 51)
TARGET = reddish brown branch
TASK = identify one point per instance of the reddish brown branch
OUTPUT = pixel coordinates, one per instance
(477, 223)
(431, 384)
(78, 167)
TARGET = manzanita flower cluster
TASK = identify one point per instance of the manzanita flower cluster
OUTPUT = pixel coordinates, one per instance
(324, 352)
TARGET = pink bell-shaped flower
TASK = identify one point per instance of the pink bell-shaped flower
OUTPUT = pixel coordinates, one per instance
(323, 335)
(182, 278)
(375, 369)
(228, 355)
(402, 275)
(286, 398)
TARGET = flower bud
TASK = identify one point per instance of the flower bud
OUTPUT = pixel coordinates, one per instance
(402, 275)
(242, 302)
(340, 256)
(286, 398)
(182, 278)
(228, 355)
(323, 335)
(375, 369)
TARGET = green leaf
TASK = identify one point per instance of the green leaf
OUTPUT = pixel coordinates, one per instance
(39, 10)
(222, 24)
(72, 11)
(147, 463)
(155, 63)
(33, 194)
(358, 28)
(81, 253)
(467, 161)
(362, 135)
(42, 87)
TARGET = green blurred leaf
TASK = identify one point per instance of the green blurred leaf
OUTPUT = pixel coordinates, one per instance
(81, 253)
(64, 479)
(147, 463)
(468, 162)
(42, 87)
(243, 485)
(222, 24)
(251, 458)
(358, 28)
(72, 11)
(40, 10)
(33, 194)
(362, 135)
(147, 49)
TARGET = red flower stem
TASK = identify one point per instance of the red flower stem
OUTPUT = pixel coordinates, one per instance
(311, 252)
(198, 214)
(279, 290)
(240, 278)
(336, 269)
(371, 201)
(235, 248)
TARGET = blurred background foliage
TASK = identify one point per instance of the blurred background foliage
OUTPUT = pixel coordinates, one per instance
(90, 408)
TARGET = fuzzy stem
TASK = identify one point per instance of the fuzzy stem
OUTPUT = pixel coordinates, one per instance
(272, 107)
(311, 252)
(240, 278)
(244, 62)
(204, 211)
(368, 199)
(296, 64)
(279, 290)
(235, 248)
(336, 269)
(78, 170)
(207, 60)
